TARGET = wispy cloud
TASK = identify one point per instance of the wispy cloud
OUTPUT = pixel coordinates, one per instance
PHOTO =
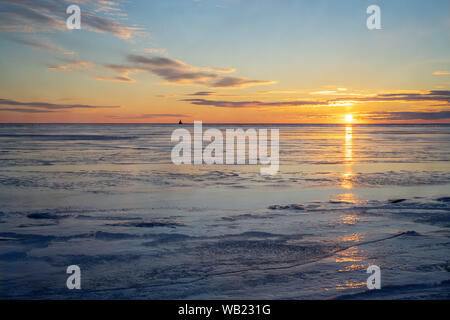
(252, 104)
(432, 95)
(38, 42)
(124, 77)
(122, 73)
(177, 72)
(409, 115)
(45, 106)
(203, 93)
(23, 110)
(150, 116)
(428, 96)
(31, 16)
(71, 65)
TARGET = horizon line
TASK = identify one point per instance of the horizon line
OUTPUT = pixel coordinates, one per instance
(234, 123)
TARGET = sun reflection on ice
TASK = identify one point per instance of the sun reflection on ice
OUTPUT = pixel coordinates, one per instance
(348, 158)
(352, 259)
(349, 285)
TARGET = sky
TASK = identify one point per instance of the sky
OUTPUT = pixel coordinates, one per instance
(224, 61)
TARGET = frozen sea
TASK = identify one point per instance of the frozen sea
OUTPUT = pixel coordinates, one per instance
(108, 199)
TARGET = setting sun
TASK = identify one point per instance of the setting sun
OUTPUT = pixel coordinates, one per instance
(348, 118)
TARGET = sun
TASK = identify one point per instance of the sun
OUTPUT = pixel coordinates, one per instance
(348, 118)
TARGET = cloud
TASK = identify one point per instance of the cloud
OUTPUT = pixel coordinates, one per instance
(151, 116)
(441, 73)
(71, 65)
(251, 104)
(59, 68)
(120, 78)
(25, 16)
(438, 115)
(177, 72)
(106, 25)
(238, 82)
(50, 15)
(122, 73)
(23, 110)
(203, 93)
(432, 95)
(40, 43)
(49, 106)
